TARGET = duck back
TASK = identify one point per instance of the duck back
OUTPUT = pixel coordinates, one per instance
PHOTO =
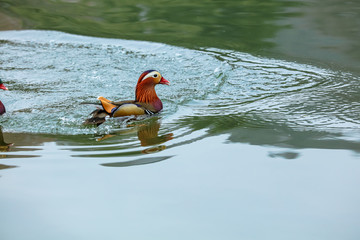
(2, 108)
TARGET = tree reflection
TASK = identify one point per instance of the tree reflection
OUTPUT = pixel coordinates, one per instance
(239, 25)
(254, 129)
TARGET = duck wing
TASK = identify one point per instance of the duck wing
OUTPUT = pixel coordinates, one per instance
(125, 108)
(119, 109)
(2, 108)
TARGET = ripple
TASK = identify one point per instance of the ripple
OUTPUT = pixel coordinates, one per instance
(50, 74)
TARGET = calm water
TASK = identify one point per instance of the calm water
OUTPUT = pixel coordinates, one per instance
(259, 137)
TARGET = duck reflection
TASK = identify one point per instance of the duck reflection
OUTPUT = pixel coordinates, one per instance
(147, 133)
(4, 147)
(3, 166)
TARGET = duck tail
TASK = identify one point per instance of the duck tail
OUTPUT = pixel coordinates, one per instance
(97, 117)
(107, 105)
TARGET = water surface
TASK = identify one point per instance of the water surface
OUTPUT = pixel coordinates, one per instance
(250, 145)
(322, 33)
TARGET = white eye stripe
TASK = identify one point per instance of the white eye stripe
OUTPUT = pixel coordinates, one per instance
(150, 74)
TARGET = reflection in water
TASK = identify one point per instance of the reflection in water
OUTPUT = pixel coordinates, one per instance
(226, 24)
(325, 31)
(285, 155)
(139, 161)
(3, 166)
(122, 142)
(255, 129)
(148, 134)
(4, 147)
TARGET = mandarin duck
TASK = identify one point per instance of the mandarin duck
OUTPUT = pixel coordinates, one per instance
(2, 107)
(146, 101)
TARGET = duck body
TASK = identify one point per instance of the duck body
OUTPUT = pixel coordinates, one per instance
(146, 100)
(2, 107)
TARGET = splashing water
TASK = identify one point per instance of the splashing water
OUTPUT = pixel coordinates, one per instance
(50, 74)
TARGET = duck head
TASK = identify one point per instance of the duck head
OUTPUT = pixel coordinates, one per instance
(145, 88)
(2, 86)
(151, 78)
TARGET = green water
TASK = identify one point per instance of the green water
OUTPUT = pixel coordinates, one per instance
(324, 33)
(230, 24)
(258, 139)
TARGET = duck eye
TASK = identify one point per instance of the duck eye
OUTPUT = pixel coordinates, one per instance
(155, 75)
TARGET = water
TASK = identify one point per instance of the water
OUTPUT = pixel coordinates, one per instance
(248, 146)
(212, 89)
